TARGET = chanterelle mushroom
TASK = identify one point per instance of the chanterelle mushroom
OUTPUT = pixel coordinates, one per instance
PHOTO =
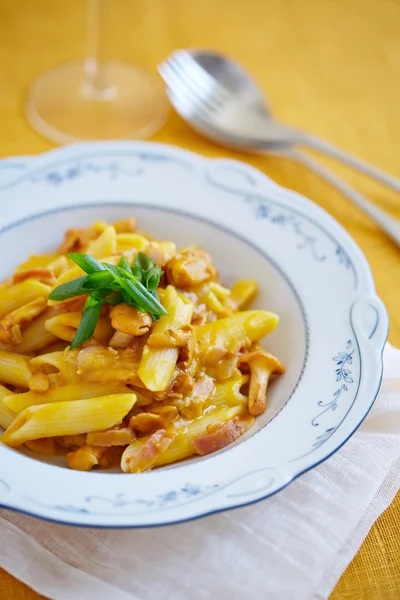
(190, 267)
(262, 366)
(127, 319)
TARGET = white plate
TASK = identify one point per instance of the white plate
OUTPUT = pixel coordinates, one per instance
(331, 335)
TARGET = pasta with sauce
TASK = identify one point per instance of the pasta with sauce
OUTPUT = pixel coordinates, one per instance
(137, 388)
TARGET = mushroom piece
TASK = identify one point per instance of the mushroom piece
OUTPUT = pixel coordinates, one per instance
(125, 225)
(85, 458)
(39, 383)
(262, 366)
(128, 319)
(121, 341)
(189, 268)
(169, 338)
(183, 338)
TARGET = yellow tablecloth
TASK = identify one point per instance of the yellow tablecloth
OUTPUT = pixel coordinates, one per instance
(330, 67)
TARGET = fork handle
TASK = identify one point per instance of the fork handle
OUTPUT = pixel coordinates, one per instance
(386, 222)
(352, 161)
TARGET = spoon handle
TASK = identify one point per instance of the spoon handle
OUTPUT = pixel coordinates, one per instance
(389, 224)
(352, 161)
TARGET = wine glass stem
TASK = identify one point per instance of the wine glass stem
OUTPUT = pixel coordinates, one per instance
(96, 85)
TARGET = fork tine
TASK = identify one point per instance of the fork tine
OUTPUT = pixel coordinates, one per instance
(177, 84)
(199, 77)
(175, 80)
(176, 77)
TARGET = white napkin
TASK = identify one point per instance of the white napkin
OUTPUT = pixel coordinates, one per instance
(292, 546)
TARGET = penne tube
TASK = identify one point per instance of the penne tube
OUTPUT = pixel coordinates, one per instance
(219, 290)
(72, 273)
(68, 418)
(231, 332)
(7, 416)
(14, 369)
(36, 261)
(20, 318)
(36, 337)
(229, 393)
(182, 446)
(67, 275)
(64, 326)
(157, 366)
(74, 391)
(58, 266)
(126, 241)
(62, 361)
(105, 244)
(214, 304)
(243, 292)
(19, 294)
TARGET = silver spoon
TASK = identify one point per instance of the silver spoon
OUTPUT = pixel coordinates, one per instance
(219, 100)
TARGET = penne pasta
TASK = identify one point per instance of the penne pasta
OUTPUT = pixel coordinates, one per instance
(36, 261)
(7, 416)
(157, 366)
(231, 332)
(214, 304)
(36, 337)
(68, 275)
(11, 324)
(229, 393)
(126, 241)
(17, 295)
(64, 326)
(14, 369)
(73, 391)
(68, 418)
(58, 266)
(243, 292)
(60, 361)
(105, 244)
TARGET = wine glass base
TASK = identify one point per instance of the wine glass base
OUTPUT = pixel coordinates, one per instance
(64, 107)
